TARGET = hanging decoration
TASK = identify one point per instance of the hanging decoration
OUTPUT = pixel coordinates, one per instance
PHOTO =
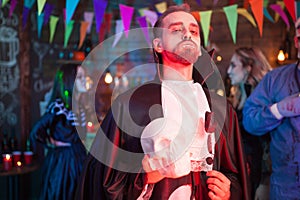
(247, 15)
(290, 6)
(68, 31)
(151, 16)
(119, 32)
(205, 17)
(99, 10)
(47, 12)
(83, 30)
(277, 8)
(40, 20)
(70, 9)
(148, 17)
(232, 17)
(12, 7)
(52, 24)
(88, 17)
(257, 9)
(25, 14)
(4, 2)
(126, 16)
(40, 5)
(143, 24)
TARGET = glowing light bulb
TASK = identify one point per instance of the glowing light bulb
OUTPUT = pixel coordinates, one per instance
(108, 78)
(281, 56)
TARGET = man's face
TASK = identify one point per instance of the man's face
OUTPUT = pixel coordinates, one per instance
(180, 41)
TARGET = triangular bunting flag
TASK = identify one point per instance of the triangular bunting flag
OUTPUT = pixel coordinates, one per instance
(4, 2)
(29, 3)
(40, 20)
(141, 11)
(83, 30)
(246, 14)
(277, 9)
(52, 26)
(126, 16)
(231, 2)
(68, 31)
(215, 2)
(47, 12)
(107, 20)
(99, 9)
(25, 16)
(70, 9)
(178, 2)
(196, 15)
(199, 2)
(88, 17)
(232, 17)
(267, 14)
(143, 24)
(257, 10)
(205, 23)
(119, 32)
(246, 4)
(298, 8)
(40, 5)
(151, 16)
(290, 6)
(161, 7)
(282, 6)
(12, 7)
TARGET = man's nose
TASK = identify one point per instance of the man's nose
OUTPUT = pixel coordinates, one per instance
(187, 35)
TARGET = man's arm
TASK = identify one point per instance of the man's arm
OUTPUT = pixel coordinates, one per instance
(259, 115)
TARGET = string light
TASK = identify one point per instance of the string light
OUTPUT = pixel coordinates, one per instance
(108, 78)
(281, 56)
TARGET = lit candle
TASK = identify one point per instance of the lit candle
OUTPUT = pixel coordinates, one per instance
(7, 162)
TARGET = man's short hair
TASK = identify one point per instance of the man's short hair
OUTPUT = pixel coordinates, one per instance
(159, 23)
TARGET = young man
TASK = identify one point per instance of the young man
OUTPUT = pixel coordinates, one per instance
(118, 168)
(274, 107)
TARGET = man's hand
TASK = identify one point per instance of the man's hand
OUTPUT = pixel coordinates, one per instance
(152, 176)
(289, 106)
(219, 185)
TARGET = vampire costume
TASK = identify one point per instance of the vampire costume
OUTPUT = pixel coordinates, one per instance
(114, 169)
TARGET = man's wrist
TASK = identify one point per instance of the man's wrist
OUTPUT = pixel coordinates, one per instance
(275, 111)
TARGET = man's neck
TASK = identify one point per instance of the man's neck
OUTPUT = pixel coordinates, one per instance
(177, 72)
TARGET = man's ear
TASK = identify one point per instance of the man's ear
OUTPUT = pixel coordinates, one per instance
(157, 45)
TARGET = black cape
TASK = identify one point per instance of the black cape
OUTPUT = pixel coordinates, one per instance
(123, 125)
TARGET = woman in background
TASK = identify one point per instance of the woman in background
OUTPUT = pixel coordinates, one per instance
(59, 130)
(246, 69)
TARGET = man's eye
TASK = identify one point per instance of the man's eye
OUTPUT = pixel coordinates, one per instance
(194, 32)
(176, 30)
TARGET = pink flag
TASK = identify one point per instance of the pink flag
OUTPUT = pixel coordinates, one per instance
(13, 4)
(277, 8)
(126, 16)
(143, 24)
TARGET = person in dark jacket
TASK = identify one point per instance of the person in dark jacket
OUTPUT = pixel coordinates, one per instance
(60, 131)
(150, 130)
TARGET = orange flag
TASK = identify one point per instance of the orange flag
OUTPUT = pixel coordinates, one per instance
(257, 9)
(83, 29)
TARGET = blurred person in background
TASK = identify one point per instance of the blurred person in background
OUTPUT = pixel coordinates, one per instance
(59, 131)
(274, 107)
(247, 68)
